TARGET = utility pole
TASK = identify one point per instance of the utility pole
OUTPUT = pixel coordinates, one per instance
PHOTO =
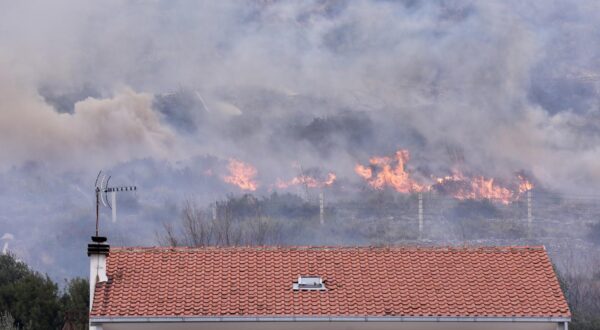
(529, 214)
(304, 183)
(321, 209)
(420, 215)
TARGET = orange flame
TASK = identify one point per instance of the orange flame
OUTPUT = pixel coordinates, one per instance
(524, 184)
(385, 171)
(331, 177)
(363, 171)
(308, 181)
(477, 187)
(241, 175)
(390, 172)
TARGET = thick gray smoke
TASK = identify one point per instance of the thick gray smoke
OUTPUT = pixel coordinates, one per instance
(163, 93)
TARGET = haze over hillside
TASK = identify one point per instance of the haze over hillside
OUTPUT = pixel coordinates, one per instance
(181, 98)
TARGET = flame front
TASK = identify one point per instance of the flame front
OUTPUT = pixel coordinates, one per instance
(477, 187)
(384, 171)
(391, 172)
(241, 174)
(308, 181)
(363, 171)
(524, 184)
(388, 171)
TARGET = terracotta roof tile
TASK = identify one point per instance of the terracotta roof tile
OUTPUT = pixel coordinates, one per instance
(361, 281)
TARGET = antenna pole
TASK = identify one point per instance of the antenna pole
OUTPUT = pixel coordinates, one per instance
(97, 208)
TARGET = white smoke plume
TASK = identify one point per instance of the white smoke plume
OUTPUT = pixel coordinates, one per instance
(169, 86)
(7, 237)
(99, 132)
(458, 74)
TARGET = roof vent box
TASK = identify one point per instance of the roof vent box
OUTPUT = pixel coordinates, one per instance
(309, 282)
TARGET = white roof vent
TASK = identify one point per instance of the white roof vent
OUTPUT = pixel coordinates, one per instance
(309, 282)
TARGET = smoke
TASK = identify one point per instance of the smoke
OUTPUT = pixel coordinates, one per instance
(99, 131)
(164, 93)
(319, 78)
(7, 237)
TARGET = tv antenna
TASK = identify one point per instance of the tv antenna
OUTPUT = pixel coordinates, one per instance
(102, 189)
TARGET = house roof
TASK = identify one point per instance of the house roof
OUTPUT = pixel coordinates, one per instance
(360, 281)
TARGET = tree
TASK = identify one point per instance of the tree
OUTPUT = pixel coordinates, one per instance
(7, 322)
(30, 297)
(581, 286)
(76, 303)
(11, 270)
(197, 229)
(262, 231)
(594, 233)
(31, 300)
(36, 304)
(235, 222)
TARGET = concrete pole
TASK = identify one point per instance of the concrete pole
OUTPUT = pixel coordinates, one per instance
(321, 209)
(420, 215)
(214, 211)
(529, 214)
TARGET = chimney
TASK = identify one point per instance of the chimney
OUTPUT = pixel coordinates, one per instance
(97, 251)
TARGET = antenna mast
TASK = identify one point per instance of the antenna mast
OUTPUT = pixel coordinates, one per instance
(102, 190)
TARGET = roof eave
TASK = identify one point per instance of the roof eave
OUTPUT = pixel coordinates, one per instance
(135, 319)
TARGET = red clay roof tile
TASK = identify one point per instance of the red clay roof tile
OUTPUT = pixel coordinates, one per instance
(360, 281)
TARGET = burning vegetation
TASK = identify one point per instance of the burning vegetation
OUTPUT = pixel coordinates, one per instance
(388, 171)
(477, 187)
(392, 172)
(307, 181)
(241, 174)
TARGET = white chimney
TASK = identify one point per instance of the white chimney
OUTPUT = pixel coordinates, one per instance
(97, 252)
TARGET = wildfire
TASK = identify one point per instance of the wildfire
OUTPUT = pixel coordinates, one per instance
(241, 174)
(524, 184)
(363, 171)
(477, 187)
(308, 181)
(388, 171)
(391, 172)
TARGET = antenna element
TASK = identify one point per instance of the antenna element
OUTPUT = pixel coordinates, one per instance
(102, 189)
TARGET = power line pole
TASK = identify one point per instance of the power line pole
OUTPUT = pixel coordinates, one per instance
(529, 214)
(321, 208)
(420, 215)
(214, 211)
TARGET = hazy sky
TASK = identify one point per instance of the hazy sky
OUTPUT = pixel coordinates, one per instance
(162, 93)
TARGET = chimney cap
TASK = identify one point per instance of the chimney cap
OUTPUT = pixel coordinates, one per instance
(98, 248)
(98, 239)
